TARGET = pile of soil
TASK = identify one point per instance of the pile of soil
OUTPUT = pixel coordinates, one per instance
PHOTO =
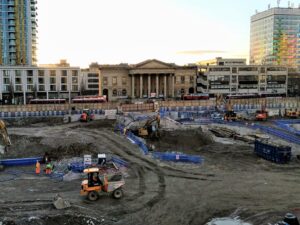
(74, 150)
(187, 141)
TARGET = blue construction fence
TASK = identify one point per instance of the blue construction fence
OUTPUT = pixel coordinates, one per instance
(273, 153)
(177, 157)
(166, 156)
(20, 161)
(45, 113)
(279, 133)
(78, 167)
(286, 125)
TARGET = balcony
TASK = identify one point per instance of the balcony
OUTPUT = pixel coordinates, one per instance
(11, 16)
(12, 49)
(11, 9)
(11, 23)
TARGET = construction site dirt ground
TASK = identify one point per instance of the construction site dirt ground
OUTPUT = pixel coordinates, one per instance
(232, 181)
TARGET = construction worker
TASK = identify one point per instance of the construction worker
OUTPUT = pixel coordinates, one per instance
(49, 168)
(37, 167)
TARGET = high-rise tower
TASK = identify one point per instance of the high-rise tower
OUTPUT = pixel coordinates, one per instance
(275, 37)
(18, 25)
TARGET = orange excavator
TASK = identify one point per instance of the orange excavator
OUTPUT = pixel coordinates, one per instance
(262, 114)
(86, 116)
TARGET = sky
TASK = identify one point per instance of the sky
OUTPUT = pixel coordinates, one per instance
(131, 31)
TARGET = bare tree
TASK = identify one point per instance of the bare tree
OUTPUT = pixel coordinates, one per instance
(35, 90)
(82, 88)
(11, 90)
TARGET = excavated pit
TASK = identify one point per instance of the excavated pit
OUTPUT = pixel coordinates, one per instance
(232, 179)
(187, 141)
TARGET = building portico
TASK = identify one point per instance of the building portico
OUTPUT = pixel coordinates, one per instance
(150, 78)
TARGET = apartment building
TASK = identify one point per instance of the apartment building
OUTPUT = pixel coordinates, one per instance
(18, 32)
(19, 84)
(239, 78)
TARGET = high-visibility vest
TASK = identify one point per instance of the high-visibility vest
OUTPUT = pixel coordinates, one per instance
(37, 167)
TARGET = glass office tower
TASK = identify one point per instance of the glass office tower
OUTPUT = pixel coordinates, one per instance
(18, 32)
(275, 37)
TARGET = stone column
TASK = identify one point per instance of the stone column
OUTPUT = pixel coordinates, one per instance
(172, 84)
(141, 85)
(165, 85)
(149, 85)
(132, 86)
(157, 87)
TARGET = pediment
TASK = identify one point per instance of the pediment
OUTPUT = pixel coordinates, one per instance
(154, 64)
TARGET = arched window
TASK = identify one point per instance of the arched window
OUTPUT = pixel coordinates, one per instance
(115, 92)
(124, 92)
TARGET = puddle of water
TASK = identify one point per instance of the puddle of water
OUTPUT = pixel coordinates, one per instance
(226, 221)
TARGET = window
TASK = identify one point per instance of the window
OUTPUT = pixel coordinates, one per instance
(41, 73)
(52, 73)
(64, 73)
(191, 79)
(41, 80)
(262, 69)
(93, 86)
(93, 80)
(234, 79)
(18, 73)
(74, 73)
(104, 80)
(30, 73)
(182, 79)
(64, 87)
(74, 80)
(124, 92)
(29, 80)
(114, 81)
(124, 81)
(52, 87)
(18, 80)
(29, 87)
(41, 87)
(115, 92)
(63, 80)
(6, 80)
(18, 87)
(52, 80)
(234, 70)
(94, 75)
(74, 87)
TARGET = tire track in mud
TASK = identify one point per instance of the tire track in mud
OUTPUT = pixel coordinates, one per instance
(14, 208)
(127, 154)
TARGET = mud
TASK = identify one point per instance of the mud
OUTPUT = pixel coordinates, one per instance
(232, 181)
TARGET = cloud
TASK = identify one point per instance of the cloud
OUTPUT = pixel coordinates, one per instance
(200, 52)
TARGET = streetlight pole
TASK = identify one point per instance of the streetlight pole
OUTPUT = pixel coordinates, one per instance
(70, 86)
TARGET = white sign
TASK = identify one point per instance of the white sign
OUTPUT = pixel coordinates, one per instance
(87, 160)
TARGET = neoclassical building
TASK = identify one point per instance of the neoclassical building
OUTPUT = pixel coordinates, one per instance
(150, 78)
